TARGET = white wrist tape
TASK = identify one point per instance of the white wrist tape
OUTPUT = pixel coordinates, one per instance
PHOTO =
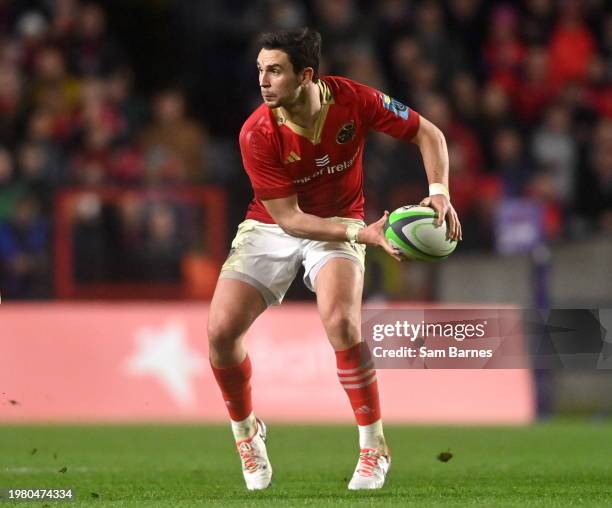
(352, 231)
(438, 188)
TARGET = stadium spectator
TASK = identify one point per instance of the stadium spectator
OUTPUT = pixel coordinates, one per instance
(468, 22)
(284, 14)
(40, 127)
(436, 107)
(92, 252)
(91, 165)
(175, 141)
(405, 55)
(56, 91)
(510, 162)
(386, 187)
(40, 132)
(32, 28)
(24, 251)
(465, 96)
(63, 21)
(572, 45)
(536, 90)
(504, 51)
(340, 23)
(92, 50)
(13, 102)
(605, 38)
(496, 115)
(40, 172)
(538, 21)
(555, 153)
(596, 182)
(425, 80)
(97, 111)
(7, 16)
(11, 188)
(598, 88)
(161, 249)
(129, 105)
(363, 65)
(440, 54)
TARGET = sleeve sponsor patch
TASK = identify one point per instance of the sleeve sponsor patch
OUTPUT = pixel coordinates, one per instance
(395, 106)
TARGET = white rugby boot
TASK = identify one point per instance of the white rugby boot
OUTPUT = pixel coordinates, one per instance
(371, 470)
(256, 467)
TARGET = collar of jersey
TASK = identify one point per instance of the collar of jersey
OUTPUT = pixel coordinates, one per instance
(314, 134)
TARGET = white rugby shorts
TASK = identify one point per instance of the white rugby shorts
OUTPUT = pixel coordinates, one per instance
(266, 257)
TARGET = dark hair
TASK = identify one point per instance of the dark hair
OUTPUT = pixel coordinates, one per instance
(303, 47)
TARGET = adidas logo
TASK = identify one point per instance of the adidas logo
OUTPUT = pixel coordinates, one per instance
(363, 410)
(322, 161)
(292, 157)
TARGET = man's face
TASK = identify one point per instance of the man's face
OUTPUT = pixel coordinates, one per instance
(279, 84)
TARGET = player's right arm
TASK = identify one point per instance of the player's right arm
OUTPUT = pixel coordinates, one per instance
(293, 221)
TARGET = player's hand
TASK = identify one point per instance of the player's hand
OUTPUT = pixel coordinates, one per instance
(374, 234)
(441, 204)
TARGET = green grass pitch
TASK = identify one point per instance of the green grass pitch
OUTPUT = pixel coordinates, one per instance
(559, 464)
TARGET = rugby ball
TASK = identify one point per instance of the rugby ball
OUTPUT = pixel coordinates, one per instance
(413, 230)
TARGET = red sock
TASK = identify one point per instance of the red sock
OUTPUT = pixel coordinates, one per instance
(358, 378)
(235, 384)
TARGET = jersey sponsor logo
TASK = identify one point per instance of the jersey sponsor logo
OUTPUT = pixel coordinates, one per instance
(322, 161)
(346, 133)
(292, 157)
(328, 169)
(396, 107)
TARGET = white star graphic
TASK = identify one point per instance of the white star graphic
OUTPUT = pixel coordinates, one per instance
(165, 354)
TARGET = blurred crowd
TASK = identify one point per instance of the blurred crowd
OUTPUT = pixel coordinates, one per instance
(70, 118)
(522, 91)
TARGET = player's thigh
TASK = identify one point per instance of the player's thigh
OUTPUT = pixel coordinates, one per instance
(233, 308)
(264, 256)
(339, 287)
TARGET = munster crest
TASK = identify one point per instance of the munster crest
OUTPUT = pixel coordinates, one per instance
(346, 133)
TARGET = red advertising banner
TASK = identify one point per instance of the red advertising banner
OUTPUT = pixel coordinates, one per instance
(148, 362)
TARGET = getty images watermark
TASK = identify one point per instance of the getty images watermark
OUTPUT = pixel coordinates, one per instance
(489, 338)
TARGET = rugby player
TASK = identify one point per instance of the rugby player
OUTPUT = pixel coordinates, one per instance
(302, 150)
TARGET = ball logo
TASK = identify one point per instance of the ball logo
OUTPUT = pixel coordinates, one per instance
(346, 133)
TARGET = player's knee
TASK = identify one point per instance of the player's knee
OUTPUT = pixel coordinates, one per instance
(222, 331)
(343, 330)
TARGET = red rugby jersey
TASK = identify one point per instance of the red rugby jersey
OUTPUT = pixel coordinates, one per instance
(323, 166)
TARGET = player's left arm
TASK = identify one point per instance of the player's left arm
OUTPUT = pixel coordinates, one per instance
(432, 144)
(385, 114)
